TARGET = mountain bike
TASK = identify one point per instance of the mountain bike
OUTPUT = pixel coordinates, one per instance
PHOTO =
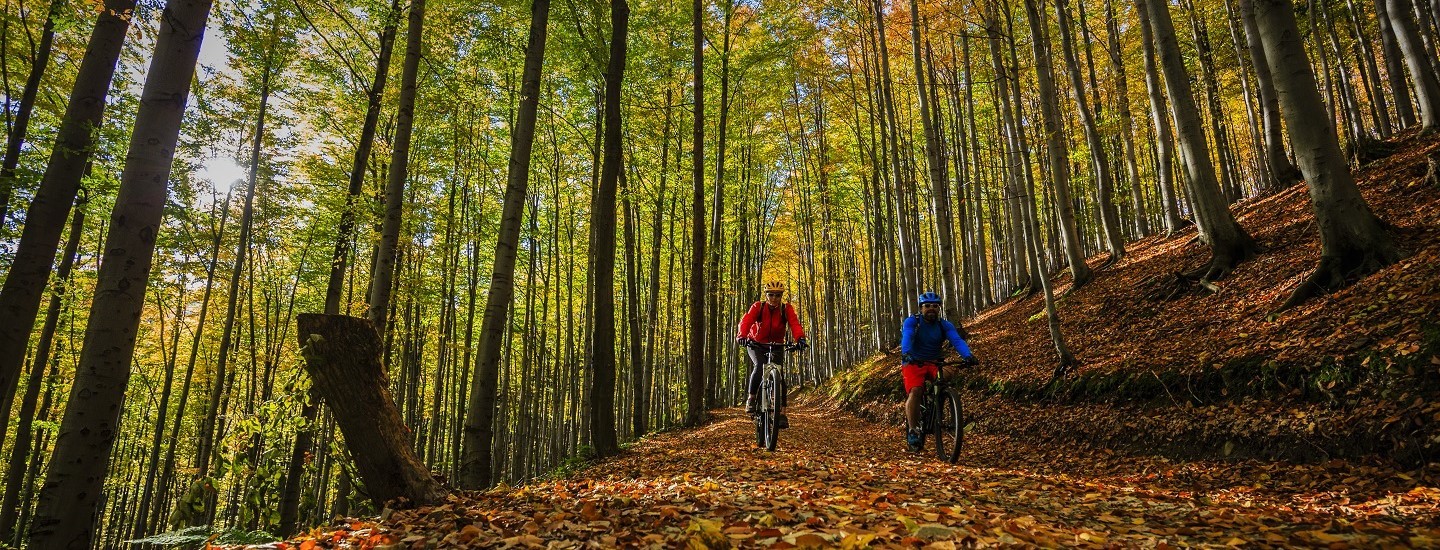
(771, 399)
(942, 414)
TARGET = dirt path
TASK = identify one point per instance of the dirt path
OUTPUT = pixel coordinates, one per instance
(837, 480)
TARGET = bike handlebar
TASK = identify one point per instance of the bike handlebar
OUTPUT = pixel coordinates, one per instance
(769, 347)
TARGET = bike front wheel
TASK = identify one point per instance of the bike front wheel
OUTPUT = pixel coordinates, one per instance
(949, 426)
(770, 423)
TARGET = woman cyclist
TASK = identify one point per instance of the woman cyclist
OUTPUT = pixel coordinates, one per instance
(765, 323)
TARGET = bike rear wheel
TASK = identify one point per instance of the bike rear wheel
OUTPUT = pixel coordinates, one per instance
(770, 394)
(949, 426)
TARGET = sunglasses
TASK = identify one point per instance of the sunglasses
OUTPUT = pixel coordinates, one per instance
(929, 306)
(774, 293)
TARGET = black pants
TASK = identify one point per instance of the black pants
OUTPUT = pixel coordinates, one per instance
(758, 360)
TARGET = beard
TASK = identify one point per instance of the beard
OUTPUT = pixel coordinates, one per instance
(932, 315)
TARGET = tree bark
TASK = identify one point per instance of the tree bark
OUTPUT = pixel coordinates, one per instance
(1394, 66)
(1229, 243)
(1282, 172)
(16, 471)
(1164, 156)
(70, 500)
(384, 269)
(1352, 240)
(475, 464)
(1127, 133)
(1417, 58)
(602, 353)
(342, 356)
(695, 379)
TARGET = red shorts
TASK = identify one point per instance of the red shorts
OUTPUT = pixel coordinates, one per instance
(916, 374)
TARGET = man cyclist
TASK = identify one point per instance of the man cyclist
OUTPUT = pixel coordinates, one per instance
(921, 339)
(765, 323)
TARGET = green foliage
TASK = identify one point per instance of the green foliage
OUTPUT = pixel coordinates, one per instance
(201, 536)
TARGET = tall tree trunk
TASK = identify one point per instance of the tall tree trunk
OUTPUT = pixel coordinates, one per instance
(641, 410)
(602, 380)
(939, 178)
(25, 284)
(1394, 66)
(16, 471)
(1229, 243)
(695, 379)
(21, 125)
(1352, 240)
(346, 230)
(1127, 133)
(1417, 57)
(1164, 156)
(384, 269)
(1059, 155)
(1282, 172)
(1099, 159)
(69, 502)
(476, 463)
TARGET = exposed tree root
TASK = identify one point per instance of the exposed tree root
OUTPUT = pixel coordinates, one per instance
(1077, 281)
(1432, 173)
(1179, 284)
(1067, 365)
(1185, 223)
(1368, 150)
(1335, 272)
(1110, 261)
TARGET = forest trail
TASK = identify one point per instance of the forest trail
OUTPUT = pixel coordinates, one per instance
(838, 480)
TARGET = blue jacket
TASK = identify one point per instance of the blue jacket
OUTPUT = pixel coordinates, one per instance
(921, 340)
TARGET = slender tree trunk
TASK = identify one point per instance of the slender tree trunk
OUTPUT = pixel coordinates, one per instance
(1352, 240)
(69, 502)
(384, 270)
(1169, 201)
(25, 284)
(695, 387)
(939, 178)
(1127, 133)
(1418, 59)
(476, 463)
(1394, 66)
(1099, 159)
(1059, 154)
(16, 471)
(1229, 243)
(602, 380)
(346, 230)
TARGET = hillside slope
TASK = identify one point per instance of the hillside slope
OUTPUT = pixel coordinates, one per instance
(1184, 371)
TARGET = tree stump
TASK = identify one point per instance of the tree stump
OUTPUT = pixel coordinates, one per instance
(342, 355)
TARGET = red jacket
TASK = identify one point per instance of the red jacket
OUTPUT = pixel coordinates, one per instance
(765, 325)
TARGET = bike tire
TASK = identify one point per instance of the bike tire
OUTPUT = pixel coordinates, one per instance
(771, 395)
(949, 426)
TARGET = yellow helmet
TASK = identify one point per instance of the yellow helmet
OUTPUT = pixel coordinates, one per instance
(775, 286)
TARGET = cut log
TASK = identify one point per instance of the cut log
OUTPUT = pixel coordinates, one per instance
(342, 355)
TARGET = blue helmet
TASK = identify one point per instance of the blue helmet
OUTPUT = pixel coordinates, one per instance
(929, 298)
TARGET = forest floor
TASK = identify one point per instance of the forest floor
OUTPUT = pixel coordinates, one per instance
(1195, 418)
(837, 480)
